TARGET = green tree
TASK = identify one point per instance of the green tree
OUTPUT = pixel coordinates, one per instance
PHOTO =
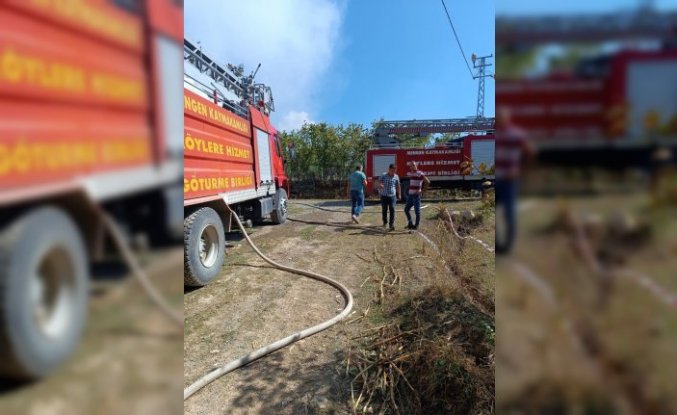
(323, 151)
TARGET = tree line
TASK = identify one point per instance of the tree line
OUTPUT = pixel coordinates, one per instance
(321, 151)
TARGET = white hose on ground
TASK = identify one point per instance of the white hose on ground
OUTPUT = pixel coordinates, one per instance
(220, 371)
(584, 249)
(137, 271)
(483, 244)
(479, 241)
(343, 211)
(666, 297)
(436, 249)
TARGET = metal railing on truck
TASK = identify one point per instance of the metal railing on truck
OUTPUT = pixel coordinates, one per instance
(232, 79)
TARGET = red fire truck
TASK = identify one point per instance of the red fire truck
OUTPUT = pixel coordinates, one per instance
(444, 165)
(232, 156)
(84, 124)
(610, 110)
(617, 97)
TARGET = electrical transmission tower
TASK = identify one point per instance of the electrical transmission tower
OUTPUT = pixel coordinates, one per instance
(480, 63)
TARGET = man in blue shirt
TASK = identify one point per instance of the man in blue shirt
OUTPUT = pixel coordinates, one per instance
(356, 183)
(389, 188)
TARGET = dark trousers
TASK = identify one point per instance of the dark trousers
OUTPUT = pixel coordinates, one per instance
(356, 201)
(415, 201)
(506, 196)
(388, 204)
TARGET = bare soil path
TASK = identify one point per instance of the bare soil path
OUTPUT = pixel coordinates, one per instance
(251, 304)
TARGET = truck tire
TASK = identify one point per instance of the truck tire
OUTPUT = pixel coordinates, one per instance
(279, 213)
(204, 247)
(44, 286)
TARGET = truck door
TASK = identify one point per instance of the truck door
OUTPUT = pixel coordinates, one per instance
(482, 155)
(651, 87)
(381, 163)
(264, 160)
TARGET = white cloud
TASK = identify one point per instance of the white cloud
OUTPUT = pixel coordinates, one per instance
(294, 40)
(294, 120)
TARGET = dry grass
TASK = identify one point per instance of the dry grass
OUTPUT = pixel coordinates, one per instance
(436, 356)
(472, 265)
(432, 351)
(621, 363)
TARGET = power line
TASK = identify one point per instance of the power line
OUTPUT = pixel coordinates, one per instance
(457, 40)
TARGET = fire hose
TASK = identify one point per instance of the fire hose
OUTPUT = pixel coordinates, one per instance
(257, 354)
(138, 272)
(343, 211)
(484, 245)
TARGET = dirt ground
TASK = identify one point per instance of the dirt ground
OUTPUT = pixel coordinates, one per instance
(130, 357)
(632, 335)
(250, 305)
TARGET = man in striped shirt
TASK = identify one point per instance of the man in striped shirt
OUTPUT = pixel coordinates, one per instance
(512, 151)
(417, 182)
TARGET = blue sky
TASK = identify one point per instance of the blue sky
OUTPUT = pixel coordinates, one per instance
(399, 60)
(343, 61)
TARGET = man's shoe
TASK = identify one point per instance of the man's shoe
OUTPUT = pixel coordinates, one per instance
(392, 228)
(355, 219)
(385, 227)
(410, 226)
(414, 228)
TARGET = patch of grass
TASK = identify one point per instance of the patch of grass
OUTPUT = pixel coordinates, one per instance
(558, 397)
(307, 232)
(294, 210)
(488, 203)
(376, 316)
(473, 267)
(630, 337)
(234, 256)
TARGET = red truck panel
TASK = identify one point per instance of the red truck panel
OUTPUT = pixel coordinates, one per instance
(218, 150)
(199, 108)
(75, 93)
(98, 19)
(209, 178)
(166, 18)
(436, 163)
(557, 107)
(439, 163)
(204, 141)
(38, 61)
(44, 144)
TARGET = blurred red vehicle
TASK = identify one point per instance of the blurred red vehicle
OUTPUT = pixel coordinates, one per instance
(611, 110)
(87, 121)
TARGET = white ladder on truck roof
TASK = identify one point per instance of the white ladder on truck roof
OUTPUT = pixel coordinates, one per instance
(229, 86)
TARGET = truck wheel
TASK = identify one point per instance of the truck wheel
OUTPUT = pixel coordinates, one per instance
(204, 247)
(44, 286)
(279, 213)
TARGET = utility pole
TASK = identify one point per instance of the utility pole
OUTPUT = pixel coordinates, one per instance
(480, 63)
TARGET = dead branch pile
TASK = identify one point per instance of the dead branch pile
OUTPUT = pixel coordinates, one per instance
(437, 357)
